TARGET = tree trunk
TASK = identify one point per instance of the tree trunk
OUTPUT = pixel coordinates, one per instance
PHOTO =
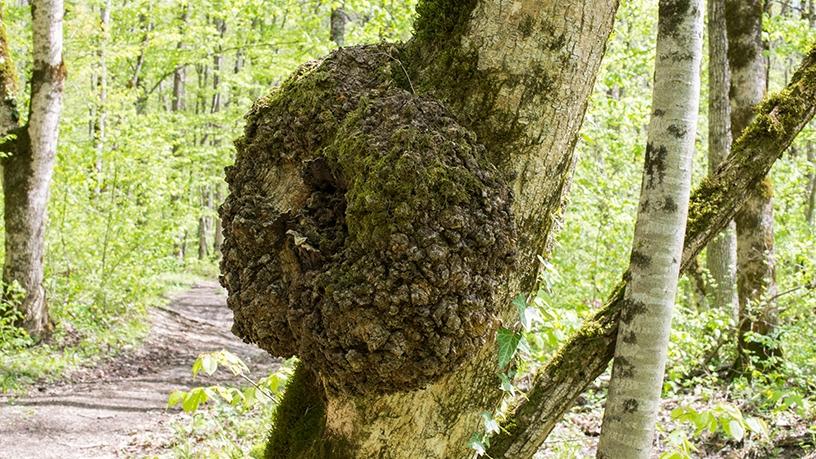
(27, 172)
(338, 26)
(756, 285)
(811, 195)
(713, 204)
(9, 115)
(102, 94)
(517, 74)
(643, 332)
(721, 258)
(204, 224)
(218, 235)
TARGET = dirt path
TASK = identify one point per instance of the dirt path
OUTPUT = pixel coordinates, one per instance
(118, 409)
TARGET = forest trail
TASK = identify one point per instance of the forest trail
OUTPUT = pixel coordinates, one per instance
(118, 408)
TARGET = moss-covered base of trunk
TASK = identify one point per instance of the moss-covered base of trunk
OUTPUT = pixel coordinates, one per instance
(300, 423)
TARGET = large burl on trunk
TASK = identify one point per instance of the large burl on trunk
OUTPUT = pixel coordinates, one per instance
(366, 232)
(387, 202)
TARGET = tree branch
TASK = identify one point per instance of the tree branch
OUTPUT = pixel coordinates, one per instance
(713, 204)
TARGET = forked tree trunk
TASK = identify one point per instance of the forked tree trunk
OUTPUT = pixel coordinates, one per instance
(756, 284)
(642, 345)
(721, 258)
(712, 205)
(516, 73)
(27, 171)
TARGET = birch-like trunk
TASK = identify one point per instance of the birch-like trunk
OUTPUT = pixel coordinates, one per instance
(100, 126)
(27, 172)
(643, 333)
(756, 284)
(721, 258)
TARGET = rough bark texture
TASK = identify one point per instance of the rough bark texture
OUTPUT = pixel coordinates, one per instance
(755, 257)
(372, 241)
(712, 205)
(27, 171)
(721, 254)
(642, 345)
(508, 82)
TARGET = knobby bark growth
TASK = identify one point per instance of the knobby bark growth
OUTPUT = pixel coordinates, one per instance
(721, 254)
(485, 100)
(28, 167)
(642, 340)
(756, 283)
(712, 205)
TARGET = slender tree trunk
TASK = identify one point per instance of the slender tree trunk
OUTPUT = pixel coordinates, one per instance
(178, 105)
(518, 74)
(811, 195)
(203, 224)
(756, 285)
(555, 387)
(27, 172)
(338, 21)
(180, 74)
(203, 74)
(102, 94)
(721, 258)
(215, 107)
(218, 235)
(810, 210)
(643, 332)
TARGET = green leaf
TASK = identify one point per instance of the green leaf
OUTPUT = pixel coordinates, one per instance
(756, 426)
(476, 444)
(490, 424)
(209, 363)
(521, 306)
(508, 342)
(734, 429)
(194, 398)
(175, 398)
(507, 384)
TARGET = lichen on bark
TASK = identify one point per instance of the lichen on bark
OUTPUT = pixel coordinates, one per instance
(366, 230)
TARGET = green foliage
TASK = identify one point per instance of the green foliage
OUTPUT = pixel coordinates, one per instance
(723, 419)
(11, 336)
(226, 420)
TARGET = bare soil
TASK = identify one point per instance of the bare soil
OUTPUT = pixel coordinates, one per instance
(118, 409)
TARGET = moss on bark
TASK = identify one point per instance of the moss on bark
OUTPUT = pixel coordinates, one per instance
(366, 230)
(300, 422)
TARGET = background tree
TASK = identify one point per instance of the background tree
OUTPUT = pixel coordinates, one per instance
(756, 281)
(721, 258)
(29, 165)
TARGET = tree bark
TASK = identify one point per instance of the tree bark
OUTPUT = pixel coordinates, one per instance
(27, 171)
(721, 258)
(518, 74)
(756, 284)
(337, 32)
(100, 125)
(712, 205)
(9, 115)
(643, 332)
